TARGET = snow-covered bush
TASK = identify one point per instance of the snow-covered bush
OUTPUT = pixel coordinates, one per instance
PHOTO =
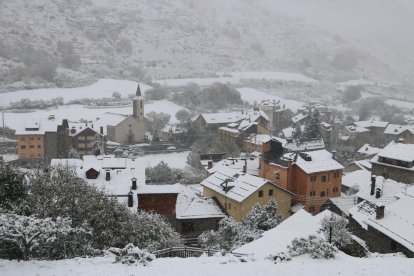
(154, 232)
(58, 192)
(335, 230)
(230, 235)
(263, 217)
(315, 246)
(131, 255)
(280, 257)
(31, 233)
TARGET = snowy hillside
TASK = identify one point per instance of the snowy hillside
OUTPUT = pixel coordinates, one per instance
(160, 39)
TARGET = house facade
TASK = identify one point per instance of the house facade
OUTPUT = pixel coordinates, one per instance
(237, 192)
(312, 177)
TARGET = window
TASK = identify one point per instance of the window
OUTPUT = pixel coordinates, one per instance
(322, 194)
(38, 138)
(22, 139)
(31, 146)
(23, 146)
(270, 192)
(311, 209)
(260, 193)
(312, 193)
(229, 206)
(140, 104)
(39, 146)
(335, 189)
(313, 178)
(277, 175)
(323, 178)
(31, 138)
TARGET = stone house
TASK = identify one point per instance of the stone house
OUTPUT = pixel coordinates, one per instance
(399, 132)
(395, 161)
(237, 192)
(385, 229)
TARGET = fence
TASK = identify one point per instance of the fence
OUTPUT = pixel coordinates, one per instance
(186, 252)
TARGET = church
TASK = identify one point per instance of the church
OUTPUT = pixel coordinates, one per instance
(125, 129)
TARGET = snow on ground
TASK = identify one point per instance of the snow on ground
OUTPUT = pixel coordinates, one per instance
(383, 265)
(401, 104)
(76, 112)
(251, 95)
(237, 77)
(175, 159)
(9, 157)
(360, 82)
(100, 89)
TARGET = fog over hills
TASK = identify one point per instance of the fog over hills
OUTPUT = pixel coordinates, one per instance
(69, 43)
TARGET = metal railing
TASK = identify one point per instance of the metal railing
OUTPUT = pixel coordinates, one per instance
(186, 252)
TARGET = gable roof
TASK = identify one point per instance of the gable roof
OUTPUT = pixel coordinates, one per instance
(393, 129)
(371, 123)
(398, 151)
(243, 185)
(320, 161)
(397, 223)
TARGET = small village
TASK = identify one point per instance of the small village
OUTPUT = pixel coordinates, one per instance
(206, 137)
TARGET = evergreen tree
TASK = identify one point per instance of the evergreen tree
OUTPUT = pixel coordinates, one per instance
(312, 127)
(12, 187)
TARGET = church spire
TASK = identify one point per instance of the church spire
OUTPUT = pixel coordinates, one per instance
(138, 93)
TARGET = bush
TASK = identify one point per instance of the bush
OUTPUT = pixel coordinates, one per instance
(131, 255)
(335, 230)
(156, 93)
(315, 246)
(12, 187)
(351, 93)
(263, 217)
(229, 236)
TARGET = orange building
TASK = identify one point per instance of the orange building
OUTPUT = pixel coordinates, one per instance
(37, 139)
(312, 176)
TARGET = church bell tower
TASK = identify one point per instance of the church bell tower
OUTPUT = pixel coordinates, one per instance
(138, 105)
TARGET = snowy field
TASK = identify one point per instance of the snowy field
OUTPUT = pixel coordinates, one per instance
(100, 89)
(303, 265)
(174, 160)
(237, 77)
(251, 95)
(401, 104)
(76, 112)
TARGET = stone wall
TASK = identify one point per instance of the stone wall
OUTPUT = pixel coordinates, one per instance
(394, 173)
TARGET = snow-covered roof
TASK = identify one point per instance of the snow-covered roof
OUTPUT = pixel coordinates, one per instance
(37, 126)
(238, 164)
(260, 139)
(172, 128)
(191, 206)
(356, 129)
(243, 185)
(231, 130)
(108, 119)
(120, 176)
(367, 149)
(397, 223)
(288, 132)
(159, 189)
(360, 181)
(300, 225)
(232, 117)
(371, 123)
(319, 161)
(345, 203)
(75, 128)
(393, 129)
(398, 151)
(299, 117)
(304, 146)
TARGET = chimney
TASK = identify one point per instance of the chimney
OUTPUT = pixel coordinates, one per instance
(210, 164)
(101, 130)
(380, 212)
(373, 180)
(245, 166)
(334, 154)
(378, 193)
(130, 199)
(134, 183)
(107, 175)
